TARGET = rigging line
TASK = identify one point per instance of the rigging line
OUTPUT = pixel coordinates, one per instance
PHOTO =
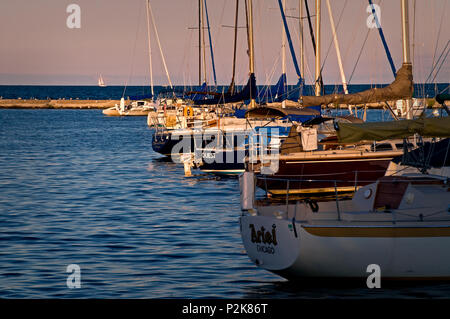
(448, 86)
(438, 60)
(311, 33)
(438, 34)
(383, 39)
(269, 78)
(219, 28)
(288, 35)
(159, 45)
(236, 21)
(211, 45)
(359, 56)
(442, 63)
(257, 30)
(134, 50)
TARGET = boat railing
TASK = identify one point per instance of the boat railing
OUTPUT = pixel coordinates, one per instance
(290, 197)
(289, 180)
(251, 144)
(163, 122)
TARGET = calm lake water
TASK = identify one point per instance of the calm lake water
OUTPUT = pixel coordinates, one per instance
(77, 187)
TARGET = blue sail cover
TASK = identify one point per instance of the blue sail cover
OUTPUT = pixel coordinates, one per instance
(248, 92)
(199, 94)
(280, 91)
(274, 93)
(141, 97)
(304, 118)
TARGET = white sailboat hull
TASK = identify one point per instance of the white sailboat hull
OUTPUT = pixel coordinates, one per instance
(302, 251)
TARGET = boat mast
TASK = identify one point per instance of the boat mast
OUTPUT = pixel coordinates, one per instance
(338, 51)
(317, 61)
(211, 48)
(199, 43)
(149, 48)
(251, 49)
(232, 85)
(405, 46)
(203, 40)
(283, 56)
(300, 14)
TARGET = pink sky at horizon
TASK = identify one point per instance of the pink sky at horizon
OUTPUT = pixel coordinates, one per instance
(37, 48)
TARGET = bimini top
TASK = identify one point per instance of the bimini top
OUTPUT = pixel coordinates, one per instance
(278, 112)
(378, 131)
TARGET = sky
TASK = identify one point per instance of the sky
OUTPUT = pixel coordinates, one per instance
(38, 48)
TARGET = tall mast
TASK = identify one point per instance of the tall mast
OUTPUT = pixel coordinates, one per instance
(405, 46)
(405, 32)
(317, 61)
(211, 47)
(251, 49)
(283, 56)
(203, 40)
(338, 51)
(300, 14)
(149, 48)
(199, 43)
(232, 85)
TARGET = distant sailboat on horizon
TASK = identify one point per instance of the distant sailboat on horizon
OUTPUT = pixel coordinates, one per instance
(101, 82)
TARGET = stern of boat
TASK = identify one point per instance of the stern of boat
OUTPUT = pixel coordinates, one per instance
(271, 243)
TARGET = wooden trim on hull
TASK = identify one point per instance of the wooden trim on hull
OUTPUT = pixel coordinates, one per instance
(378, 231)
(347, 189)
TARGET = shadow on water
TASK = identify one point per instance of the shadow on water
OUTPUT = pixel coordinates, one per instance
(353, 289)
(162, 159)
(77, 187)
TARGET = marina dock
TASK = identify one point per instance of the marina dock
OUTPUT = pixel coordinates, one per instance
(56, 104)
(104, 104)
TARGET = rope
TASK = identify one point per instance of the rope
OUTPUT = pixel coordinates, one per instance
(159, 45)
(438, 61)
(134, 50)
(439, 33)
(359, 56)
(442, 63)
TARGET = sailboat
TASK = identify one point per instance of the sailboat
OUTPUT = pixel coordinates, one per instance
(398, 222)
(142, 105)
(303, 157)
(101, 82)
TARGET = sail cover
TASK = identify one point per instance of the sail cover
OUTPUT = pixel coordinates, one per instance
(247, 93)
(435, 154)
(275, 93)
(292, 113)
(377, 131)
(401, 88)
